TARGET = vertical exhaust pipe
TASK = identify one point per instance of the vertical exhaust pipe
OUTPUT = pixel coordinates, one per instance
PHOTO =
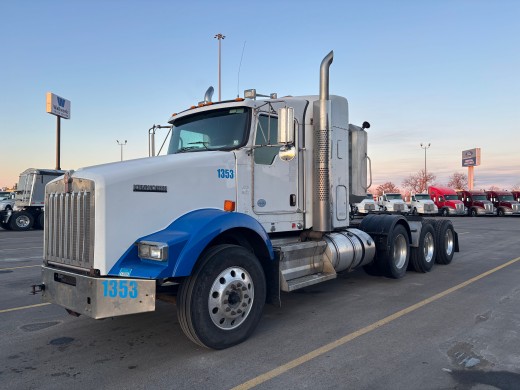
(322, 207)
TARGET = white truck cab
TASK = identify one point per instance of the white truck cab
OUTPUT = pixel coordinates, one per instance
(392, 202)
(365, 206)
(422, 204)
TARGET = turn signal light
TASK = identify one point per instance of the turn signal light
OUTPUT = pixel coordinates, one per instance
(229, 205)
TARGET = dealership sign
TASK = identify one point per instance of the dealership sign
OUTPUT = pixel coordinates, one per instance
(58, 106)
(471, 157)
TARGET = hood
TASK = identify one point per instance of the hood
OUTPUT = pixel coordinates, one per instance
(138, 197)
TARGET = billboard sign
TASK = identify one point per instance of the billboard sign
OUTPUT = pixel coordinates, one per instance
(58, 106)
(471, 157)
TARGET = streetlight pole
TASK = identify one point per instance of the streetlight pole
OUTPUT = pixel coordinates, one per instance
(121, 144)
(425, 174)
(220, 37)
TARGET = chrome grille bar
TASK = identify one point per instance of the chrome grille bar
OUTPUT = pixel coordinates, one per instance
(69, 224)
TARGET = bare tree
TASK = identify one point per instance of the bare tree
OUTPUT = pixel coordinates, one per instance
(494, 188)
(516, 187)
(418, 182)
(458, 181)
(387, 187)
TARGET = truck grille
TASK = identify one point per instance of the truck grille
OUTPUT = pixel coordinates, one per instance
(69, 224)
(515, 207)
(398, 207)
(428, 207)
(488, 207)
(370, 207)
(459, 207)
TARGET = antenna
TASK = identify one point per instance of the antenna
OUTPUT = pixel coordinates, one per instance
(239, 66)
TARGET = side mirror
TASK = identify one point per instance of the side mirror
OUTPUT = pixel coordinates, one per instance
(286, 125)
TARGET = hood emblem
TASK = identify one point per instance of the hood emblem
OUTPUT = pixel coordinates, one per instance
(67, 180)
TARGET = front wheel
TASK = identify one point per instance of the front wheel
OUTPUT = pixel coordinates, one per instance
(473, 212)
(221, 303)
(445, 212)
(501, 212)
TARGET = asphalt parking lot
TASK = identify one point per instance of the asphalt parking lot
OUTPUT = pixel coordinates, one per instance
(456, 327)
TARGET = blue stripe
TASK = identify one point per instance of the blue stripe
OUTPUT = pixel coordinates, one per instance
(186, 238)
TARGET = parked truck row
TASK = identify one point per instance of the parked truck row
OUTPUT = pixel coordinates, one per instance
(443, 201)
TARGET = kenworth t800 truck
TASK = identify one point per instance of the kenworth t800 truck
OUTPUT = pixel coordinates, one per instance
(252, 199)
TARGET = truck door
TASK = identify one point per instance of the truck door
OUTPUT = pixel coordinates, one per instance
(275, 182)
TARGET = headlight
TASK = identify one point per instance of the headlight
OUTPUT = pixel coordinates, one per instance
(156, 251)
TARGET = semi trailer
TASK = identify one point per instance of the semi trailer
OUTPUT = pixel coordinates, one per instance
(251, 200)
(27, 212)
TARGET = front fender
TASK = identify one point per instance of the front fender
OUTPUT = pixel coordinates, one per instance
(186, 237)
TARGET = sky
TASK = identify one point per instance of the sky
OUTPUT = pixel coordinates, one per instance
(444, 72)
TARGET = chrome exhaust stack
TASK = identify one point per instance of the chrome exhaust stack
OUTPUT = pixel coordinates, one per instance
(322, 207)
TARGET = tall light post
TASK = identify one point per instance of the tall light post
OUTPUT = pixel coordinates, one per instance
(121, 144)
(220, 37)
(424, 146)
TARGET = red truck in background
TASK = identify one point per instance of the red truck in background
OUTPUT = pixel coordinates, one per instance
(516, 195)
(447, 201)
(477, 203)
(504, 202)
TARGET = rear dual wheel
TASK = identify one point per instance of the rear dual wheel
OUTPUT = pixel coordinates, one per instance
(444, 241)
(422, 258)
(393, 261)
(21, 221)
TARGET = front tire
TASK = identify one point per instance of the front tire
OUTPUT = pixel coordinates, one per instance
(21, 221)
(473, 212)
(445, 212)
(501, 212)
(221, 303)
(422, 258)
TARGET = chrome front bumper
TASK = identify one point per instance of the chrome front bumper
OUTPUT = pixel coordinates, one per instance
(97, 297)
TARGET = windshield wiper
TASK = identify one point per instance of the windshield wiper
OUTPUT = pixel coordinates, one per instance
(187, 148)
(199, 143)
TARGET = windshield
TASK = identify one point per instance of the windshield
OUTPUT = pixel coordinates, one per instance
(370, 196)
(422, 197)
(393, 196)
(479, 197)
(223, 129)
(451, 197)
(506, 198)
(5, 195)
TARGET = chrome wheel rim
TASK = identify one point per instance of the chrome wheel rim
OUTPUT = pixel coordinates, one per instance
(448, 242)
(231, 298)
(428, 247)
(22, 221)
(400, 251)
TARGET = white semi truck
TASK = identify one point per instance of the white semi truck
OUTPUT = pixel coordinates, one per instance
(367, 205)
(392, 202)
(422, 204)
(251, 200)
